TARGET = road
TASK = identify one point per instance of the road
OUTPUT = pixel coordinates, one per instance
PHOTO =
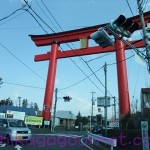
(63, 141)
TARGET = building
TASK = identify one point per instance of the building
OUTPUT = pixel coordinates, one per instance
(28, 111)
(65, 118)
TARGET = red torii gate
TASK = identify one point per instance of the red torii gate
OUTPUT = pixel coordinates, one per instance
(74, 35)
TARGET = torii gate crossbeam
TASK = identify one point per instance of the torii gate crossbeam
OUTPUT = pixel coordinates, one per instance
(74, 35)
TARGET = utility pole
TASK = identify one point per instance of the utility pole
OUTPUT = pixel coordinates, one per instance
(91, 122)
(105, 71)
(56, 98)
(145, 36)
(114, 107)
(136, 105)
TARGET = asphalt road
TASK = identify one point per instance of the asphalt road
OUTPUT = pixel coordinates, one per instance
(63, 141)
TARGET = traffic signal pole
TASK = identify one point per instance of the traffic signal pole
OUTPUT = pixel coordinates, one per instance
(91, 121)
(105, 107)
(145, 36)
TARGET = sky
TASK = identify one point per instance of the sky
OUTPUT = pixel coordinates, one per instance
(22, 77)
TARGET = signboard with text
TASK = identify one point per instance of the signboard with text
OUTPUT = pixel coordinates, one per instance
(145, 138)
(15, 114)
(33, 120)
(101, 101)
(2, 115)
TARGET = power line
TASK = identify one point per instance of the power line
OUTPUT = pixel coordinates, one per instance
(74, 50)
(36, 21)
(51, 14)
(80, 80)
(129, 7)
(21, 61)
(28, 86)
(99, 57)
(121, 60)
(13, 17)
(12, 13)
(65, 43)
(44, 13)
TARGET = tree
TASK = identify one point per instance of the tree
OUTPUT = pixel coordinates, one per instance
(25, 103)
(7, 101)
(36, 106)
(78, 120)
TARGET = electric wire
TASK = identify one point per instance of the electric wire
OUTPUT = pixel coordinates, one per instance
(51, 15)
(65, 43)
(136, 81)
(129, 7)
(12, 13)
(80, 80)
(5, 48)
(13, 18)
(82, 59)
(44, 13)
(37, 21)
(145, 5)
(28, 86)
(98, 57)
(75, 51)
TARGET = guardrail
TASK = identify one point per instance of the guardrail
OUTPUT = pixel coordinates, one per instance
(105, 140)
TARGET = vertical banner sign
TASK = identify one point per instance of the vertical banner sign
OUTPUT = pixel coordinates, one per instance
(145, 139)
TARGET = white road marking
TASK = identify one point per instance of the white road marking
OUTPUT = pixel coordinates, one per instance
(85, 144)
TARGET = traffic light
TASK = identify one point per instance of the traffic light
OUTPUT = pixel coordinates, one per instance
(67, 98)
(102, 38)
(124, 26)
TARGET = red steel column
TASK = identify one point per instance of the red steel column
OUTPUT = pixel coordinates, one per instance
(50, 83)
(124, 101)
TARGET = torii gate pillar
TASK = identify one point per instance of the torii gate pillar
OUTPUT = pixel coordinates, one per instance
(50, 83)
(123, 91)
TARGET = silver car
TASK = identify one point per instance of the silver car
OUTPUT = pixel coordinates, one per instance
(14, 130)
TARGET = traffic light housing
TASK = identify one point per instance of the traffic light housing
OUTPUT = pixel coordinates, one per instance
(67, 98)
(102, 38)
(124, 26)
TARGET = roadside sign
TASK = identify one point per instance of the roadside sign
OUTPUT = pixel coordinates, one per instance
(101, 101)
(15, 114)
(145, 138)
(2, 115)
(46, 122)
(114, 123)
(33, 120)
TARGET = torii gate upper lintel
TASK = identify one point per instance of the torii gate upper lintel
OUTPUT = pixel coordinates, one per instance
(75, 35)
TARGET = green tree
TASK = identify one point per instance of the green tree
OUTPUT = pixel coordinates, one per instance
(36, 106)
(25, 103)
(79, 119)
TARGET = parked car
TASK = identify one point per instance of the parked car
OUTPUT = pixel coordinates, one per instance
(14, 130)
(97, 129)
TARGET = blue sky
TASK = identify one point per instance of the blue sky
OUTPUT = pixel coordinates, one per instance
(70, 14)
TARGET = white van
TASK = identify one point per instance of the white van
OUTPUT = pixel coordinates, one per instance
(14, 130)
